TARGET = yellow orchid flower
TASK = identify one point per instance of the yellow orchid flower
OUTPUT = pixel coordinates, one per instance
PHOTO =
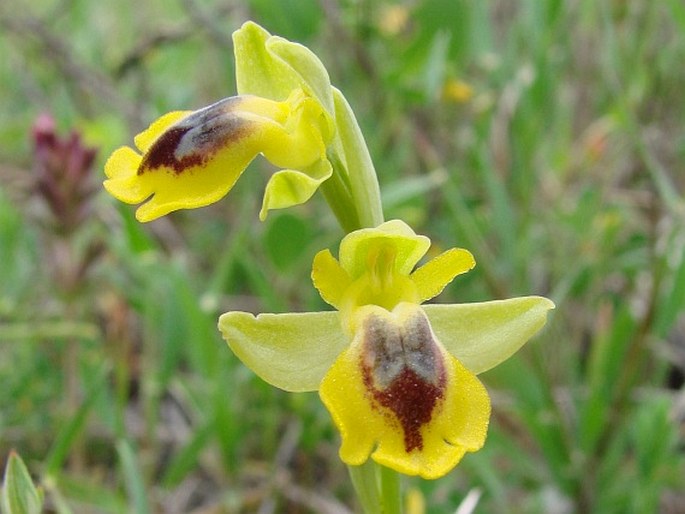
(191, 159)
(286, 110)
(398, 378)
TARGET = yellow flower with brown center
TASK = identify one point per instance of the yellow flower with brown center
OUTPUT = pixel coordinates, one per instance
(286, 110)
(398, 378)
(192, 159)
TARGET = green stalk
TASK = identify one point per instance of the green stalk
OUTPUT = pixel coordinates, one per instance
(354, 196)
(365, 482)
(336, 190)
(390, 491)
(377, 488)
(361, 174)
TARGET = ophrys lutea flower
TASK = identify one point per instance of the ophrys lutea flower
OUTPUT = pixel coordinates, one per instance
(286, 110)
(192, 159)
(398, 377)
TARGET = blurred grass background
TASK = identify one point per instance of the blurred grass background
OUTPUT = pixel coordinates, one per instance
(546, 136)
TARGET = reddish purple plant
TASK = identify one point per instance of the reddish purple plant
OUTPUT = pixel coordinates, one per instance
(63, 168)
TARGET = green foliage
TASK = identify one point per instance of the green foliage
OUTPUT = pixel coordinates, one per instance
(19, 494)
(285, 240)
(560, 169)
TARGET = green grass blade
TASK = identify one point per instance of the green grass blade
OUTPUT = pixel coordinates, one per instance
(133, 478)
(74, 428)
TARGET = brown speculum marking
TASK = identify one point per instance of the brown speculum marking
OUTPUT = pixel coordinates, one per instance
(403, 371)
(196, 138)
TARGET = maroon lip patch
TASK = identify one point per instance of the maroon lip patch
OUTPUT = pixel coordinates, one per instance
(403, 371)
(196, 138)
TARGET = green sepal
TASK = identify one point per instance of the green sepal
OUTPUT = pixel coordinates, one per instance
(271, 67)
(291, 351)
(482, 335)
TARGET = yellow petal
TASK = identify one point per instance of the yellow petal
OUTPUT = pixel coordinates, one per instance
(287, 188)
(258, 71)
(397, 396)
(431, 278)
(329, 278)
(304, 134)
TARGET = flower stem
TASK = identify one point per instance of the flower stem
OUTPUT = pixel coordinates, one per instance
(336, 190)
(354, 196)
(365, 484)
(390, 491)
(361, 174)
(377, 488)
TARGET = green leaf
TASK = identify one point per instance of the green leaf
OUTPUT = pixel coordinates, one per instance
(673, 299)
(434, 73)
(133, 477)
(606, 365)
(70, 432)
(86, 493)
(19, 494)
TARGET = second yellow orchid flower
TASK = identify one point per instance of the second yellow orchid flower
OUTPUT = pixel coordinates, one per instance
(398, 378)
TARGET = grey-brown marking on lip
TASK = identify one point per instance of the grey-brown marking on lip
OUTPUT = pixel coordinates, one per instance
(196, 138)
(391, 348)
(403, 372)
